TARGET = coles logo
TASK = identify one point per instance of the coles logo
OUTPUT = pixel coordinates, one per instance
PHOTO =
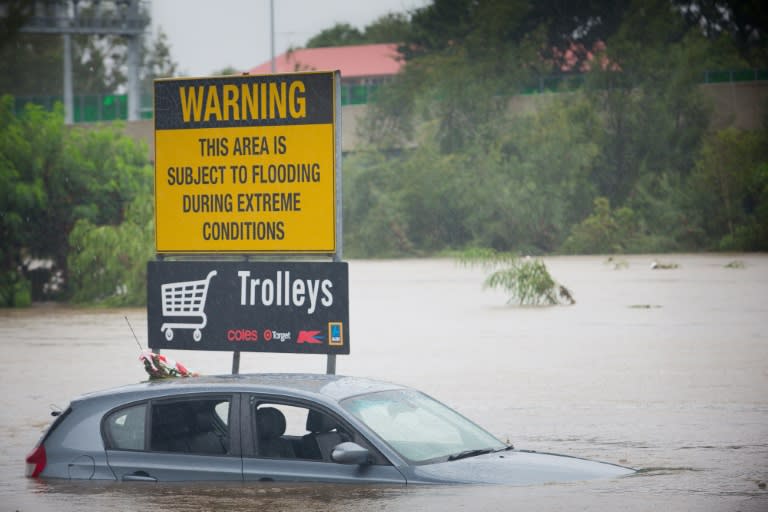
(235, 335)
(252, 335)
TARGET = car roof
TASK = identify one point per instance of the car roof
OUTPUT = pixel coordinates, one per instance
(308, 385)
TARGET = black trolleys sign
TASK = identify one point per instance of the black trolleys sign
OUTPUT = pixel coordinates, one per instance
(248, 306)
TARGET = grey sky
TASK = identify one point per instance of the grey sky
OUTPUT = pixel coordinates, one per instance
(209, 35)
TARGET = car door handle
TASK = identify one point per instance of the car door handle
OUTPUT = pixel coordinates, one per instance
(139, 476)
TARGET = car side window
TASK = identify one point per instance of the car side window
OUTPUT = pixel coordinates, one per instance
(191, 425)
(295, 432)
(125, 428)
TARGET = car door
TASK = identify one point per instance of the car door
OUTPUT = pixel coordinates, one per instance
(290, 440)
(181, 438)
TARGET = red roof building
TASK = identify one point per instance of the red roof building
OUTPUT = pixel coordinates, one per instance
(363, 64)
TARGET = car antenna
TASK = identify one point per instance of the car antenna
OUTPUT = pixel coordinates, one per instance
(134, 333)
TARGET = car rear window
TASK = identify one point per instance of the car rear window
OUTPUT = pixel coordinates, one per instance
(125, 428)
(191, 425)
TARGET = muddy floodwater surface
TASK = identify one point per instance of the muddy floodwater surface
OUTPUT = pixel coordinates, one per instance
(662, 370)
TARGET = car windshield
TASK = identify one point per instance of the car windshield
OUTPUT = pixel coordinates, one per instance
(419, 428)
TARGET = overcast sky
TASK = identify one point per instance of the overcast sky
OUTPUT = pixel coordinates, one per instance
(207, 36)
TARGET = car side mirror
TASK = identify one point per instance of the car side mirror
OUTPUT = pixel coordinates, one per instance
(350, 453)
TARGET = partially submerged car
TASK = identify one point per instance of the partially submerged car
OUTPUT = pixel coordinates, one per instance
(285, 427)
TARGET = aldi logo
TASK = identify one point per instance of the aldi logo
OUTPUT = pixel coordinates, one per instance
(335, 334)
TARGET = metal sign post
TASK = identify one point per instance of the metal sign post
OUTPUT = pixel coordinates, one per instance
(330, 367)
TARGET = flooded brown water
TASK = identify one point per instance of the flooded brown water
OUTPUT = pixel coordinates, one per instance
(662, 370)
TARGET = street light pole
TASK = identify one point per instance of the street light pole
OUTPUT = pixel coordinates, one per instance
(69, 103)
(272, 33)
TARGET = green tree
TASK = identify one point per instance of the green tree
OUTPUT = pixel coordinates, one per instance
(341, 34)
(101, 171)
(157, 60)
(53, 177)
(15, 15)
(730, 187)
(654, 118)
(461, 59)
(228, 70)
(389, 28)
(518, 186)
(744, 22)
(547, 159)
(30, 146)
(31, 65)
(605, 231)
(374, 222)
(466, 58)
(108, 263)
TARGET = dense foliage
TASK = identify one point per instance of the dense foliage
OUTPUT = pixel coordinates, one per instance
(54, 178)
(616, 154)
(108, 263)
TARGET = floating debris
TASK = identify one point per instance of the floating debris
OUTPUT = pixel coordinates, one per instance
(645, 306)
(617, 264)
(735, 264)
(656, 265)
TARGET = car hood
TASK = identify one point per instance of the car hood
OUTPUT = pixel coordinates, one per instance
(516, 467)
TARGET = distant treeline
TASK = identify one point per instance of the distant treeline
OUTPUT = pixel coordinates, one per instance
(623, 160)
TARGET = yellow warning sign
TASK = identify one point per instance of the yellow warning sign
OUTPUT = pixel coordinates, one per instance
(246, 164)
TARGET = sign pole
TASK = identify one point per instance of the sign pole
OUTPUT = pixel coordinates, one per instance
(235, 362)
(236, 353)
(330, 367)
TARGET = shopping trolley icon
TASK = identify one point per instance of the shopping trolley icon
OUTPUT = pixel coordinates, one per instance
(185, 299)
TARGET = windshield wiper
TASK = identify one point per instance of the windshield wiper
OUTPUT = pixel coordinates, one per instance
(469, 453)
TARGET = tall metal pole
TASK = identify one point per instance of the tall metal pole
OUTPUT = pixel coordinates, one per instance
(330, 367)
(134, 94)
(272, 33)
(69, 109)
(235, 362)
(134, 59)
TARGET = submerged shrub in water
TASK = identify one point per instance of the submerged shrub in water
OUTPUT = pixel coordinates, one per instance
(526, 280)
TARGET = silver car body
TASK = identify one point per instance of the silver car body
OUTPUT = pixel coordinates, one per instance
(80, 444)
